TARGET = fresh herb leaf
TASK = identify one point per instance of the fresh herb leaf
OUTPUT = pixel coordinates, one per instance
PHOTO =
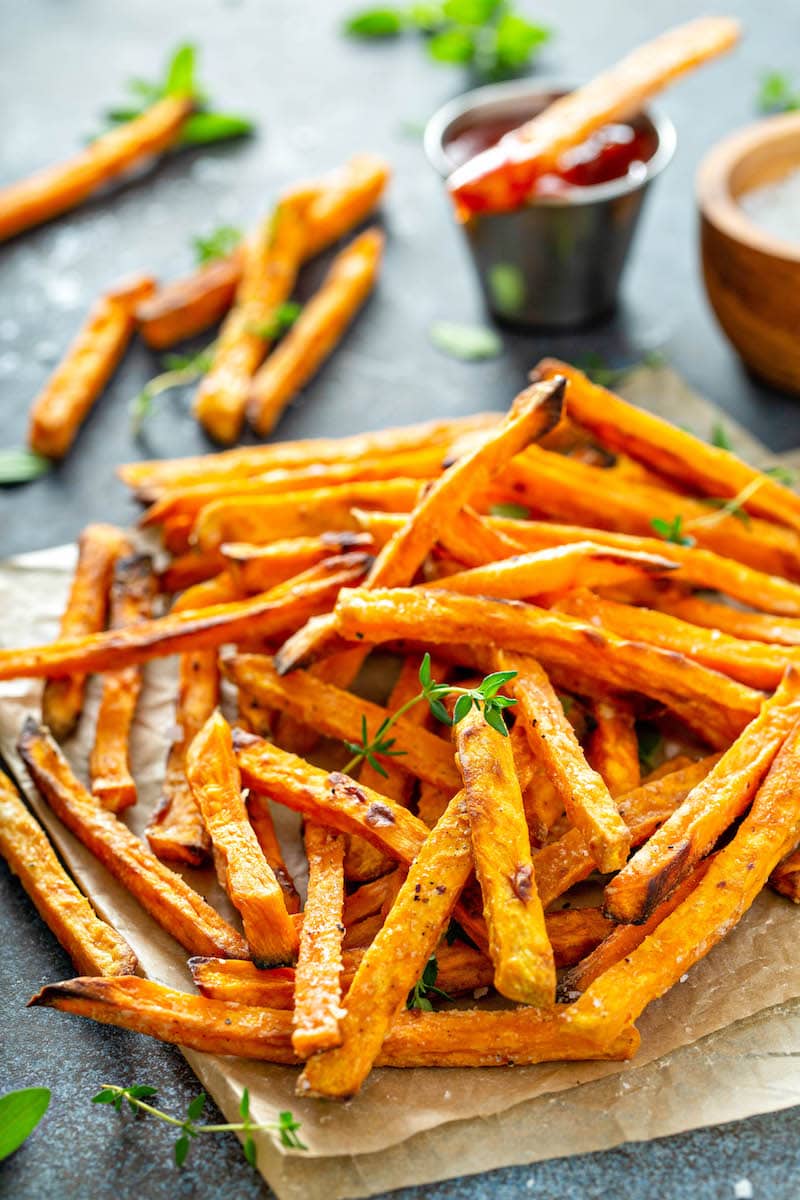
(220, 243)
(249, 1148)
(598, 370)
(376, 23)
(21, 466)
(517, 40)
(180, 79)
(244, 1103)
(453, 45)
(282, 318)
(650, 743)
(182, 369)
(514, 512)
(470, 343)
(671, 531)
(202, 128)
(195, 1109)
(181, 1149)
(507, 287)
(20, 1113)
(776, 94)
(728, 508)
(781, 474)
(418, 996)
(287, 1132)
(719, 437)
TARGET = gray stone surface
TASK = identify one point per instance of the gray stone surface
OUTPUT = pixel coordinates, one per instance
(317, 98)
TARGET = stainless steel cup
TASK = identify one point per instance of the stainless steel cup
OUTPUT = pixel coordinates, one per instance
(557, 262)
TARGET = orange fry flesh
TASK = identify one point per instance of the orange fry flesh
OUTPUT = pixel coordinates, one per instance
(259, 568)
(317, 987)
(749, 626)
(260, 817)
(249, 881)
(94, 947)
(613, 748)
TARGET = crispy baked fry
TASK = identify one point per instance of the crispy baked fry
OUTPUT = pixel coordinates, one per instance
(197, 629)
(260, 817)
(94, 946)
(671, 451)
(709, 809)
(297, 514)
(259, 568)
(613, 748)
(336, 713)
(56, 189)
(317, 986)
(248, 879)
(132, 593)
(786, 877)
(443, 1039)
(188, 306)
(368, 899)
(586, 797)
(362, 932)
(716, 707)
(501, 178)
(98, 548)
(750, 626)
(732, 882)
(271, 262)
(162, 893)
(344, 198)
(753, 663)
(185, 570)
(524, 969)
(396, 958)
(317, 331)
(63, 404)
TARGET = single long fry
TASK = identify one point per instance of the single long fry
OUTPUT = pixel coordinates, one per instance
(396, 958)
(298, 514)
(613, 748)
(501, 178)
(707, 811)
(260, 817)
(440, 1039)
(259, 568)
(671, 451)
(344, 198)
(150, 479)
(271, 262)
(132, 594)
(66, 399)
(188, 306)
(750, 626)
(196, 629)
(317, 331)
(337, 713)
(524, 969)
(734, 879)
(753, 663)
(586, 797)
(94, 947)
(248, 879)
(317, 987)
(98, 548)
(714, 706)
(56, 189)
(162, 893)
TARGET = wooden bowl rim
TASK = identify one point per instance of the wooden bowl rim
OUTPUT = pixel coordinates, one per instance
(715, 199)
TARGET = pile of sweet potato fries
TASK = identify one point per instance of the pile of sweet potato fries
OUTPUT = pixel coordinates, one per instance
(604, 709)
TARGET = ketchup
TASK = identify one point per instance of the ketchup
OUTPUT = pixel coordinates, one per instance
(611, 152)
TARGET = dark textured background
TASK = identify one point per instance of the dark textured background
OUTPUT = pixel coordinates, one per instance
(317, 98)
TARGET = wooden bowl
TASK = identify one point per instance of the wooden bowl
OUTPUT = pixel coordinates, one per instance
(752, 278)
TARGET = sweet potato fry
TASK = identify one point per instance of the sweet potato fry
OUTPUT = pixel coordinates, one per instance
(671, 451)
(317, 986)
(368, 899)
(259, 568)
(786, 877)
(132, 594)
(66, 399)
(560, 569)
(734, 879)
(337, 713)
(750, 626)
(149, 479)
(344, 198)
(396, 958)
(613, 748)
(94, 947)
(317, 331)
(714, 706)
(185, 570)
(439, 1039)
(753, 663)
(197, 629)
(248, 879)
(162, 893)
(271, 262)
(524, 969)
(362, 933)
(502, 177)
(188, 306)
(98, 548)
(708, 810)
(623, 939)
(586, 797)
(260, 817)
(56, 189)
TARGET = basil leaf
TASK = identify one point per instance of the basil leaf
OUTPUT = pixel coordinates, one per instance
(375, 23)
(468, 342)
(204, 127)
(20, 1113)
(21, 466)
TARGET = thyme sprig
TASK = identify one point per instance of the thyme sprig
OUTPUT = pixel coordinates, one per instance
(419, 996)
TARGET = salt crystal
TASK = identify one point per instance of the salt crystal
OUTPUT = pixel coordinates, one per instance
(743, 1189)
(683, 979)
(530, 1184)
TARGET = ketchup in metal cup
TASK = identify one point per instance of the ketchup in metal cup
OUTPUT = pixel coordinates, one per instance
(611, 152)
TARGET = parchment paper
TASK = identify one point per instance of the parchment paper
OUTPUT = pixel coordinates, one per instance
(695, 1066)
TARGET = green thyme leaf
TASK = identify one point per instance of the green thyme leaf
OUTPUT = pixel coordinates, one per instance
(514, 512)
(453, 45)
(283, 317)
(21, 466)
(781, 474)
(471, 343)
(180, 80)
(249, 1149)
(181, 1149)
(462, 707)
(220, 243)
(201, 128)
(671, 531)
(195, 1109)
(376, 23)
(719, 437)
(776, 94)
(20, 1113)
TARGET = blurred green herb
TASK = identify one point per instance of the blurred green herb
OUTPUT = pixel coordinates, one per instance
(650, 743)
(776, 93)
(20, 1113)
(781, 474)
(19, 465)
(281, 319)
(220, 243)
(671, 531)
(488, 36)
(600, 372)
(507, 287)
(515, 512)
(182, 369)
(471, 343)
(719, 437)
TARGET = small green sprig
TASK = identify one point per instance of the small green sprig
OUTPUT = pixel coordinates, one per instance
(486, 697)
(720, 438)
(279, 320)
(284, 1129)
(21, 466)
(776, 93)
(671, 531)
(182, 369)
(596, 368)
(419, 996)
(219, 243)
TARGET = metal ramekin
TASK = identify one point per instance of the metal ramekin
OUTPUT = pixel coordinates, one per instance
(555, 263)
